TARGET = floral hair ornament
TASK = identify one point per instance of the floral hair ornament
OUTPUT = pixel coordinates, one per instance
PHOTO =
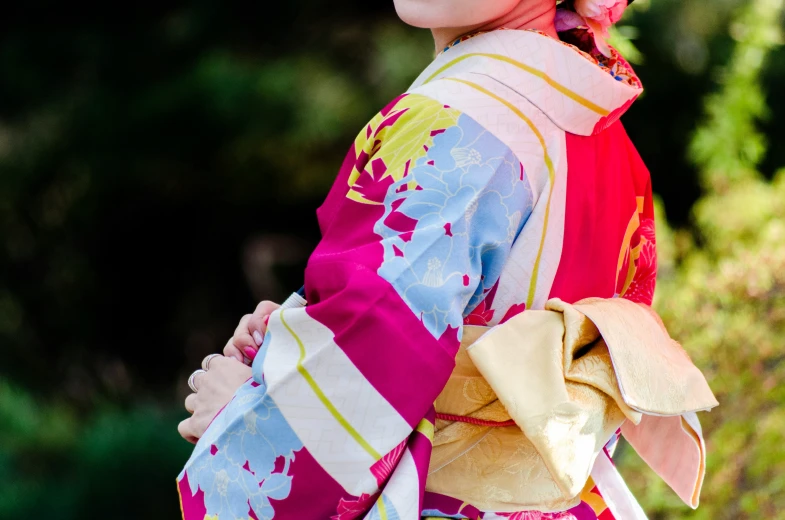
(597, 15)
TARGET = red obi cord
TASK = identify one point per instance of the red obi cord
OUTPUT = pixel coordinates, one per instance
(472, 420)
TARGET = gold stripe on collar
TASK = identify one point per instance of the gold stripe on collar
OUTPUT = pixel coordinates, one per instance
(531, 70)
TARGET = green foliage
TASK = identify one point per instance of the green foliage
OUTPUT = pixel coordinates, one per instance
(728, 147)
(116, 463)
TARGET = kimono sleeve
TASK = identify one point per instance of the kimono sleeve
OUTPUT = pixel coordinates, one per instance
(415, 231)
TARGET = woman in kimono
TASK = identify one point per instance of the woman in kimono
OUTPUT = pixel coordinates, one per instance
(497, 191)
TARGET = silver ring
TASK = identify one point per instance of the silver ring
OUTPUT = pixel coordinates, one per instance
(192, 377)
(207, 359)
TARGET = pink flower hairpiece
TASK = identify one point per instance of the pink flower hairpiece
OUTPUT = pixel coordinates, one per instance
(597, 15)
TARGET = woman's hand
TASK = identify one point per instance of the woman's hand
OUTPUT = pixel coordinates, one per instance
(249, 334)
(215, 386)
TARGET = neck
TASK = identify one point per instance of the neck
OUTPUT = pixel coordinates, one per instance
(524, 16)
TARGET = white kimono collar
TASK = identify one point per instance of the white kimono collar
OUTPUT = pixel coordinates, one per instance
(577, 93)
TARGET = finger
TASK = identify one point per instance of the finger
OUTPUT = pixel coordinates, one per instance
(200, 424)
(219, 364)
(190, 402)
(246, 354)
(242, 336)
(198, 379)
(186, 431)
(257, 325)
(231, 351)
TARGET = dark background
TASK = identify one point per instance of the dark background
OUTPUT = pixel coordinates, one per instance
(159, 171)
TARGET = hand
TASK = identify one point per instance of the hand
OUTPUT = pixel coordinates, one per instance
(249, 334)
(215, 388)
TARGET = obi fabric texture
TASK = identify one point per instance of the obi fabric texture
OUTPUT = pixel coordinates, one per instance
(500, 180)
(568, 377)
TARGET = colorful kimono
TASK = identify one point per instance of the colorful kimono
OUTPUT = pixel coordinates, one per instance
(501, 179)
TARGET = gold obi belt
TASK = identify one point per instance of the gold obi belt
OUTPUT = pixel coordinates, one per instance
(531, 403)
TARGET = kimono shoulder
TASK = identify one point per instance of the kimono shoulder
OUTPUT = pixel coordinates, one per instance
(418, 130)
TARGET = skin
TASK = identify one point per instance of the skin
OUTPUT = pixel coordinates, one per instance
(216, 388)
(447, 20)
(451, 19)
(226, 374)
(249, 334)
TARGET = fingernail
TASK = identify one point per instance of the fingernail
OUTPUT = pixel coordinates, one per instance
(250, 352)
(257, 337)
(266, 319)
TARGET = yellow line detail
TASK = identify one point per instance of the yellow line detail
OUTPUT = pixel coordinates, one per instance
(632, 226)
(426, 428)
(382, 509)
(323, 398)
(641, 201)
(551, 177)
(180, 497)
(531, 70)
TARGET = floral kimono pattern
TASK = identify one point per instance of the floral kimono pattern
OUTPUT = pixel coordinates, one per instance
(501, 179)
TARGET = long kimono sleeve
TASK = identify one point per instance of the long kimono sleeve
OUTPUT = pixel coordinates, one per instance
(336, 422)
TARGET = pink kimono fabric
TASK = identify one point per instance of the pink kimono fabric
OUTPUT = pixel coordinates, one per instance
(502, 178)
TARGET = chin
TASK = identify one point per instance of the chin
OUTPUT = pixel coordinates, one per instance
(434, 14)
(418, 13)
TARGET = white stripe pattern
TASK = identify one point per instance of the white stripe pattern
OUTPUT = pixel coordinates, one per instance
(347, 390)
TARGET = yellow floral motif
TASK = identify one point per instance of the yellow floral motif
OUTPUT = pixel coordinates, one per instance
(629, 252)
(404, 140)
(594, 500)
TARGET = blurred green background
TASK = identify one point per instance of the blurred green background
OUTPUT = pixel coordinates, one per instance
(159, 172)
